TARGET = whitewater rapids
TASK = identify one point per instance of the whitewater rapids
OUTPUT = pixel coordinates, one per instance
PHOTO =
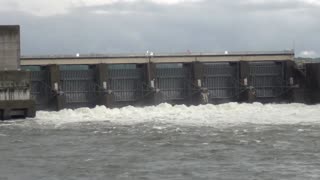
(202, 115)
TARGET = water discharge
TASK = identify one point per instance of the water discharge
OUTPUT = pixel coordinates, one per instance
(203, 115)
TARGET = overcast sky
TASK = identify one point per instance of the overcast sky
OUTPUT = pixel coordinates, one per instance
(135, 26)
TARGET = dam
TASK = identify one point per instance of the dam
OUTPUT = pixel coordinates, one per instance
(117, 80)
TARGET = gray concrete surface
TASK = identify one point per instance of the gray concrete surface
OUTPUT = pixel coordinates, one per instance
(158, 58)
(9, 47)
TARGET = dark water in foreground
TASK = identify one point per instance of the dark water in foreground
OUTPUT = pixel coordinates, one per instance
(103, 150)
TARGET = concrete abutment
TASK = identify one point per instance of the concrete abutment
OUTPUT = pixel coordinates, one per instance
(15, 99)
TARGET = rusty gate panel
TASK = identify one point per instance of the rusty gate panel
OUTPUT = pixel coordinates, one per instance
(221, 80)
(126, 82)
(267, 78)
(40, 89)
(79, 87)
(174, 81)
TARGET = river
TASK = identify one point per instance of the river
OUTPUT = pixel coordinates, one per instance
(228, 141)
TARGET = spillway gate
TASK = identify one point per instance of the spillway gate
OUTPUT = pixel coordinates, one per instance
(115, 85)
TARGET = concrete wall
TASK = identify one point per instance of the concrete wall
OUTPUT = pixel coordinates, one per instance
(15, 95)
(9, 47)
(313, 82)
(14, 85)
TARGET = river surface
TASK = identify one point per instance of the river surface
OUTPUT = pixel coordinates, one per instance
(229, 141)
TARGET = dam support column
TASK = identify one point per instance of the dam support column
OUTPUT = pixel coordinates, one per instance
(105, 95)
(296, 76)
(291, 82)
(57, 97)
(152, 94)
(247, 92)
(313, 82)
(200, 94)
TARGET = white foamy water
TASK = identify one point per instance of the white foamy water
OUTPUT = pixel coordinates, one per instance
(203, 115)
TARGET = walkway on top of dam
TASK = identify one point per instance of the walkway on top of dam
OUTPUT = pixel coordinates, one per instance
(157, 58)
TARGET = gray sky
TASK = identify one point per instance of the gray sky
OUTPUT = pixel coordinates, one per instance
(135, 26)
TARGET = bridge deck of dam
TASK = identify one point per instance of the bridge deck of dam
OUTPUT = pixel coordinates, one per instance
(157, 58)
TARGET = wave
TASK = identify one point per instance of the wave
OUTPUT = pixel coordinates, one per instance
(202, 115)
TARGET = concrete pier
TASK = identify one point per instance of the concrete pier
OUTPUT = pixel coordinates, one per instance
(313, 82)
(15, 85)
(57, 97)
(200, 95)
(105, 95)
(247, 92)
(15, 100)
(151, 92)
(9, 47)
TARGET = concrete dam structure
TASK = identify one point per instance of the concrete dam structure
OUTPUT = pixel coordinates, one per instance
(58, 82)
(15, 87)
(117, 80)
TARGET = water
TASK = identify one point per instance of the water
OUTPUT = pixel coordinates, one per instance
(230, 141)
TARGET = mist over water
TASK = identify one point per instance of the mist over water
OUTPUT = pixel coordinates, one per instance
(228, 141)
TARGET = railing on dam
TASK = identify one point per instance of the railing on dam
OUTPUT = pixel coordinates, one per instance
(73, 86)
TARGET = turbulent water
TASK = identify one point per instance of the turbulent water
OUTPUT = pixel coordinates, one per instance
(229, 141)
